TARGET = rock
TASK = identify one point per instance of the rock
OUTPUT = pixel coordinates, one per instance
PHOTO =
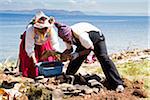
(88, 91)
(40, 86)
(39, 78)
(84, 88)
(57, 94)
(79, 79)
(3, 95)
(70, 89)
(65, 87)
(34, 93)
(43, 80)
(8, 72)
(66, 78)
(50, 86)
(81, 94)
(8, 85)
(27, 80)
(72, 93)
(94, 76)
(46, 94)
(138, 84)
(22, 87)
(70, 79)
(96, 90)
(127, 83)
(140, 93)
(22, 97)
(61, 78)
(95, 83)
(13, 93)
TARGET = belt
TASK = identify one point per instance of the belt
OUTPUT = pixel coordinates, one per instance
(92, 31)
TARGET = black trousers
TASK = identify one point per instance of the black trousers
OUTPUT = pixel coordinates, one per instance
(100, 51)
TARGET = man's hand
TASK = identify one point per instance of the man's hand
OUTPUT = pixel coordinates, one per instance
(65, 57)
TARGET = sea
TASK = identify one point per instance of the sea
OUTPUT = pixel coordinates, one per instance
(121, 32)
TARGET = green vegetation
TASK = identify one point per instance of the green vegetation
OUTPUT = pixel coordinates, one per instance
(133, 70)
(136, 70)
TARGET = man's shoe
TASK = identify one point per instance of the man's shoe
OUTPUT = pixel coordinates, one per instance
(120, 88)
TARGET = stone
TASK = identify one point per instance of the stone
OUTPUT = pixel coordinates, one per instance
(65, 86)
(8, 85)
(96, 90)
(57, 94)
(22, 97)
(84, 88)
(95, 83)
(140, 93)
(44, 80)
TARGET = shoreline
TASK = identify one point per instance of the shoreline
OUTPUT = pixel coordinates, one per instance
(111, 54)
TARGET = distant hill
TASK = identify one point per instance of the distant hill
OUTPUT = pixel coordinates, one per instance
(49, 12)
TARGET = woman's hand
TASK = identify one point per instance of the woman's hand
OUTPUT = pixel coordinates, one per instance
(33, 57)
(46, 54)
(38, 64)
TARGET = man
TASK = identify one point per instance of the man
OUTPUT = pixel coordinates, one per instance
(87, 37)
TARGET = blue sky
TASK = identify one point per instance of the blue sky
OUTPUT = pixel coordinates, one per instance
(87, 6)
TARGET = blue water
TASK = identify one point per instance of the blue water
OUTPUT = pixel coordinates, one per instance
(121, 32)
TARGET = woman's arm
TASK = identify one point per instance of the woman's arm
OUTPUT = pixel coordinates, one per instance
(29, 43)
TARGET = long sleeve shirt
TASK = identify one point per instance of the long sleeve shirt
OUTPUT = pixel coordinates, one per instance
(81, 31)
(31, 39)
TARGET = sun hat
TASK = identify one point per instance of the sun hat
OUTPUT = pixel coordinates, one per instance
(40, 14)
(64, 32)
(36, 19)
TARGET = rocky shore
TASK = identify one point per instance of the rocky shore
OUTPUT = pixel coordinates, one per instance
(88, 83)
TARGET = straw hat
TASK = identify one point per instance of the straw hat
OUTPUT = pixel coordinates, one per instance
(40, 14)
(37, 16)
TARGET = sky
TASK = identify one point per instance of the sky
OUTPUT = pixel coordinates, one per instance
(140, 7)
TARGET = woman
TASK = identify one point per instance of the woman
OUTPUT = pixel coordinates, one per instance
(38, 37)
(88, 38)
